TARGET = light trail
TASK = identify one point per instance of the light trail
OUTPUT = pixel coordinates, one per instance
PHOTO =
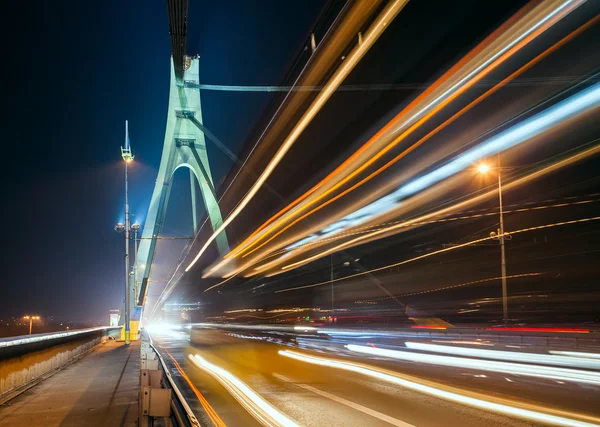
(212, 414)
(544, 359)
(501, 406)
(577, 354)
(415, 120)
(538, 329)
(222, 282)
(422, 140)
(542, 122)
(565, 110)
(462, 245)
(380, 24)
(357, 407)
(595, 149)
(547, 372)
(444, 288)
(259, 408)
(494, 212)
(433, 217)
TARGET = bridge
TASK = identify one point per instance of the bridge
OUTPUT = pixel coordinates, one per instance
(404, 237)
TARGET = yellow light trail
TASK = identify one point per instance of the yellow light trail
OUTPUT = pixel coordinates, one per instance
(444, 288)
(258, 407)
(458, 206)
(212, 414)
(222, 282)
(380, 24)
(368, 232)
(364, 230)
(462, 245)
(245, 250)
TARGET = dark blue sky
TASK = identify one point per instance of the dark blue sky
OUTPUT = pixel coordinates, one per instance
(75, 72)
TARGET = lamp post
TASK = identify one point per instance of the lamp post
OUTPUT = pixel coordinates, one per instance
(331, 275)
(483, 169)
(135, 228)
(31, 319)
(126, 228)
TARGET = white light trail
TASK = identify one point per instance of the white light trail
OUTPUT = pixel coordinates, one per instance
(377, 28)
(258, 407)
(305, 328)
(544, 359)
(546, 372)
(160, 328)
(577, 354)
(439, 391)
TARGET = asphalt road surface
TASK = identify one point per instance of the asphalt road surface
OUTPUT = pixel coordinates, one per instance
(314, 395)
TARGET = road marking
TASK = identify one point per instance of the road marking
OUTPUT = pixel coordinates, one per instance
(348, 403)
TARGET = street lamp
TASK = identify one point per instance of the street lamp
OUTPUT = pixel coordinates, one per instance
(125, 228)
(485, 168)
(31, 319)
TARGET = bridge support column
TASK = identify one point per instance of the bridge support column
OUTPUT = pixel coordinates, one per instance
(184, 146)
(193, 191)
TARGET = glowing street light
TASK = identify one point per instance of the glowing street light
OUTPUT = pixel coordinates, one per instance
(31, 319)
(125, 228)
(484, 168)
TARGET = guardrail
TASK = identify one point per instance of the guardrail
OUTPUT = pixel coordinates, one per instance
(160, 398)
(26, 360)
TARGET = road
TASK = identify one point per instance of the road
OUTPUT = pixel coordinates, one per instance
(314, 395)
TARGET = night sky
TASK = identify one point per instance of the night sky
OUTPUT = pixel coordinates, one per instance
(75, 71)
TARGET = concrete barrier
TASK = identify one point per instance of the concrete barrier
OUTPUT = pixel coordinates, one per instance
(26, 360)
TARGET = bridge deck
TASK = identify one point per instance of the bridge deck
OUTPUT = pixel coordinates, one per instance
(100, 389)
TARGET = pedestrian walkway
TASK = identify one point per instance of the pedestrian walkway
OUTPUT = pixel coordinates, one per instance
(101, 389)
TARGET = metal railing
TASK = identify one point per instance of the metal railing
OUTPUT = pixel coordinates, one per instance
(160, 398)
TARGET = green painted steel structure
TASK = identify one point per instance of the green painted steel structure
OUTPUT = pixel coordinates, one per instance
(184, 146)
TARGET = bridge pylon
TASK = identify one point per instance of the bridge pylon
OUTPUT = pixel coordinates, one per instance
(184, 146)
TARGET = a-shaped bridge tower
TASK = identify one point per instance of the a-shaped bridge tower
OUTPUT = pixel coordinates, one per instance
(184, 146)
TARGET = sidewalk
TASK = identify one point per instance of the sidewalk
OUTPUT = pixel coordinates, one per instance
(101, 389)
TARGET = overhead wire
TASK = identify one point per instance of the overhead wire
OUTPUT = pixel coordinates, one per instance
(459, 246)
